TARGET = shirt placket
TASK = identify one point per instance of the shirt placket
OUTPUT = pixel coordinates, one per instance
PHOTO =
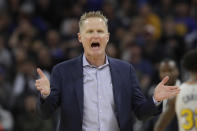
(99, 96)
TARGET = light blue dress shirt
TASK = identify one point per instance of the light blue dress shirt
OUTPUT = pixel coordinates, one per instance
(99, 107)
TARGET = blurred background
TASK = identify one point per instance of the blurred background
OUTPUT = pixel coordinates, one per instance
(42, 33)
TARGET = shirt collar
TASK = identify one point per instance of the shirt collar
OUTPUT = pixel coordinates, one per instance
(86, 63)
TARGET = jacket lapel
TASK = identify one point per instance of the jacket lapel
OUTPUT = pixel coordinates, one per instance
(115, 77)
(78, 78)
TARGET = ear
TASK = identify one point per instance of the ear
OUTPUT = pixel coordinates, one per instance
(79, 37)
(108, 35)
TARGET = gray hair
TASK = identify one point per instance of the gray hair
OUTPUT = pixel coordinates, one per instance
(91, 14)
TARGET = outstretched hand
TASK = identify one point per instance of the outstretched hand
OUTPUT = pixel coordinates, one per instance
(42, 84)
(163, 91)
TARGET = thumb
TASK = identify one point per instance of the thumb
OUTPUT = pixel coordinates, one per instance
(165, 80)
(40, 73)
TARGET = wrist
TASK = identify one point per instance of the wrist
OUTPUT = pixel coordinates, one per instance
(156, 102)
(44, 96)
(156, 98)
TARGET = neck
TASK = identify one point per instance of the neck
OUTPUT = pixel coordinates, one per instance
(96, 60)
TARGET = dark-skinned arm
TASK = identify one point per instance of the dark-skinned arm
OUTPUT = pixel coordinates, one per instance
(167, 116)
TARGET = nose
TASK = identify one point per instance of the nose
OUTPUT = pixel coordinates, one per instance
(95, 37)
(95, 34)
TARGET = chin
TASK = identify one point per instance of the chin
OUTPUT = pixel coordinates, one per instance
(97, 53)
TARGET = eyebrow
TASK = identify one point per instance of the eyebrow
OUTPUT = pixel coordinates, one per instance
(98, 30)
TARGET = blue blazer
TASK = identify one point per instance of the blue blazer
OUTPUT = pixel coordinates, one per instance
(67, 93)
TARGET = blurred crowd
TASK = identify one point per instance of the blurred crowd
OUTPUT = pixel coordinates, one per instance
(42, 33)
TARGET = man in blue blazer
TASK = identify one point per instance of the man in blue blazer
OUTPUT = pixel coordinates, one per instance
(96, 92)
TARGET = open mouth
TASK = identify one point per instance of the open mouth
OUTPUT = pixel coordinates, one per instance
(95, 45)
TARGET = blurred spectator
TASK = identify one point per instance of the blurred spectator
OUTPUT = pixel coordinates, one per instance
(69, 28)
(55, 51)
(136, 30)
(6, 120)
(171, 41)
(143, 67)
(152, 49)
(119, 34)
(44, 59)
(23, 35)
(5, 89)
(186, 24)
(46, 10)
(112, 50)
(151, 19)
(13, 8)
(193, 10)
(93, 5)
(5, 20)
(27, 119)
(183, 17)
(41, 33)
(126, 11)
(5, 56)
(164, 8)
(2, 4)
(24, 79)
(113, 21)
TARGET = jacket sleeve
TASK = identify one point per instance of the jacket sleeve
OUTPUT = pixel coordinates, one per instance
(142, 107)
(46, 107)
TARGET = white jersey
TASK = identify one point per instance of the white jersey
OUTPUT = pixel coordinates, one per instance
(178, 83)
(186, 107)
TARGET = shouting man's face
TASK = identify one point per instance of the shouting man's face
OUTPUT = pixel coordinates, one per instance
(94, 37)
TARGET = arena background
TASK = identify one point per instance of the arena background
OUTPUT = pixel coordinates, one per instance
(42, 33)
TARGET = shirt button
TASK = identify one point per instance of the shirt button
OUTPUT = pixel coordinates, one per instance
(99, 97)
(100, 111)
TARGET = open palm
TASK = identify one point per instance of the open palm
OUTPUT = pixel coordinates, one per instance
(163, 91)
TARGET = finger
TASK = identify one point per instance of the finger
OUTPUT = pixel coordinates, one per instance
(38, 88)
(165, 80)
(171, 91)
(174, 93)
(36, 84)
(178, 90)
(41, 74)
(43, 92)
(172, 87)
(38, 81)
